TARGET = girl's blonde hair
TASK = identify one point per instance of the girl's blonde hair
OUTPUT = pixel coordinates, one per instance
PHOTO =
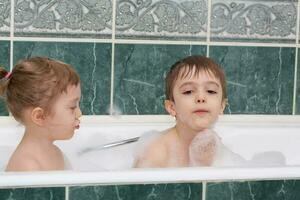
(35, 82)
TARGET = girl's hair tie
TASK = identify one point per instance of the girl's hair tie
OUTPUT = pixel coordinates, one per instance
(7, 75)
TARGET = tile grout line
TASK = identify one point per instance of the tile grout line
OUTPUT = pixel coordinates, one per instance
(11, 34)
(207, 51)
(297, 24)
(208, 32)
(174, 42)
(112, 57)
(296, 63)
(295, 83)
(58, 39)
(111, 107)
(67, 193)
(5, 38)
(11, 38)
(204, 190)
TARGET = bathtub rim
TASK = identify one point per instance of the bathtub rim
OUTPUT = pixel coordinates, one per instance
(147, 176)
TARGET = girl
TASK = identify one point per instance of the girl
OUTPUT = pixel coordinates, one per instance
(43, 95)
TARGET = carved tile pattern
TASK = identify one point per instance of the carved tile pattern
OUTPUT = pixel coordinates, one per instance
(4, 16)
(161, 18)
(79, 17)
(151, 19)
(254, 19)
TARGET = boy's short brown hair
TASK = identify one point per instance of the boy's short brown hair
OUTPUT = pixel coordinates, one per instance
(191, 66)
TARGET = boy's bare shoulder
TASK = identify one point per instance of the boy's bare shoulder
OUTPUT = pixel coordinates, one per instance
(155, 154)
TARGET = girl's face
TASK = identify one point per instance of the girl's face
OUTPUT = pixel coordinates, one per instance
(64, 119)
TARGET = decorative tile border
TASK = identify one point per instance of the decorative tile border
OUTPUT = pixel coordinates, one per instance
(4, 17)
(63, 18)
(172, 19)
(241, 20)
(254, 20)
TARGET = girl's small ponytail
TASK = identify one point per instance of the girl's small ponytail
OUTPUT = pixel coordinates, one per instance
(4, 77)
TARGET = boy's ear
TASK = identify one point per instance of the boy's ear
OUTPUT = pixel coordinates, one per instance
(38, 116)
(169, 106)
(224, 103)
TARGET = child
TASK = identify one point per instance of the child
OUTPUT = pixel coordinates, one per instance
(43, 95)
(195, 96)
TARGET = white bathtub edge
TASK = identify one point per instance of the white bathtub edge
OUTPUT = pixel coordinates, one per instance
(147, 176)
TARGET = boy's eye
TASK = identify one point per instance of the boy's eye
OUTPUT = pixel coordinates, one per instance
(73, 108)
(211, 91)
(187, 92)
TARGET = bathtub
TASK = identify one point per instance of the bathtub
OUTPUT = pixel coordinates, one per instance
(245, 135)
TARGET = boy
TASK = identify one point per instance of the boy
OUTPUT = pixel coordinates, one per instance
(195, 96)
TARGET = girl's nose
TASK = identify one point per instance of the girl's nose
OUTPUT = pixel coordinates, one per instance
(78, 113)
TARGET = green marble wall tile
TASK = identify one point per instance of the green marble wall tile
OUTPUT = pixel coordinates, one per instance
(258, 190)
(4, 62)
(33, 194)
(182, 191)
(139, 75)
(91, 60)
(259, 79)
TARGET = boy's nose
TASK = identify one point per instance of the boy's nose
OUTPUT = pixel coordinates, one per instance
(200, 99)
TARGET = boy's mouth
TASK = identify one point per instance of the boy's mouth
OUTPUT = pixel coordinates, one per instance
(201, 111)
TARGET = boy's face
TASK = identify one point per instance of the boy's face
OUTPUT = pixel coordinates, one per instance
(66, 113)
(197, 101)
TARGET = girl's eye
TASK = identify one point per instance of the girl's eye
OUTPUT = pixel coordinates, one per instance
(73, 108)
(187, 92)
(211, 92)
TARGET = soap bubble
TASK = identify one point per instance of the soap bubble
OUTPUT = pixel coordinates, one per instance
(207, 149)
(203, 148)
(114, 111)
(268, 158)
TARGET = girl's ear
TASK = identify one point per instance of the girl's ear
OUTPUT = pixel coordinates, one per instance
(170, 107)
(38, 116)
